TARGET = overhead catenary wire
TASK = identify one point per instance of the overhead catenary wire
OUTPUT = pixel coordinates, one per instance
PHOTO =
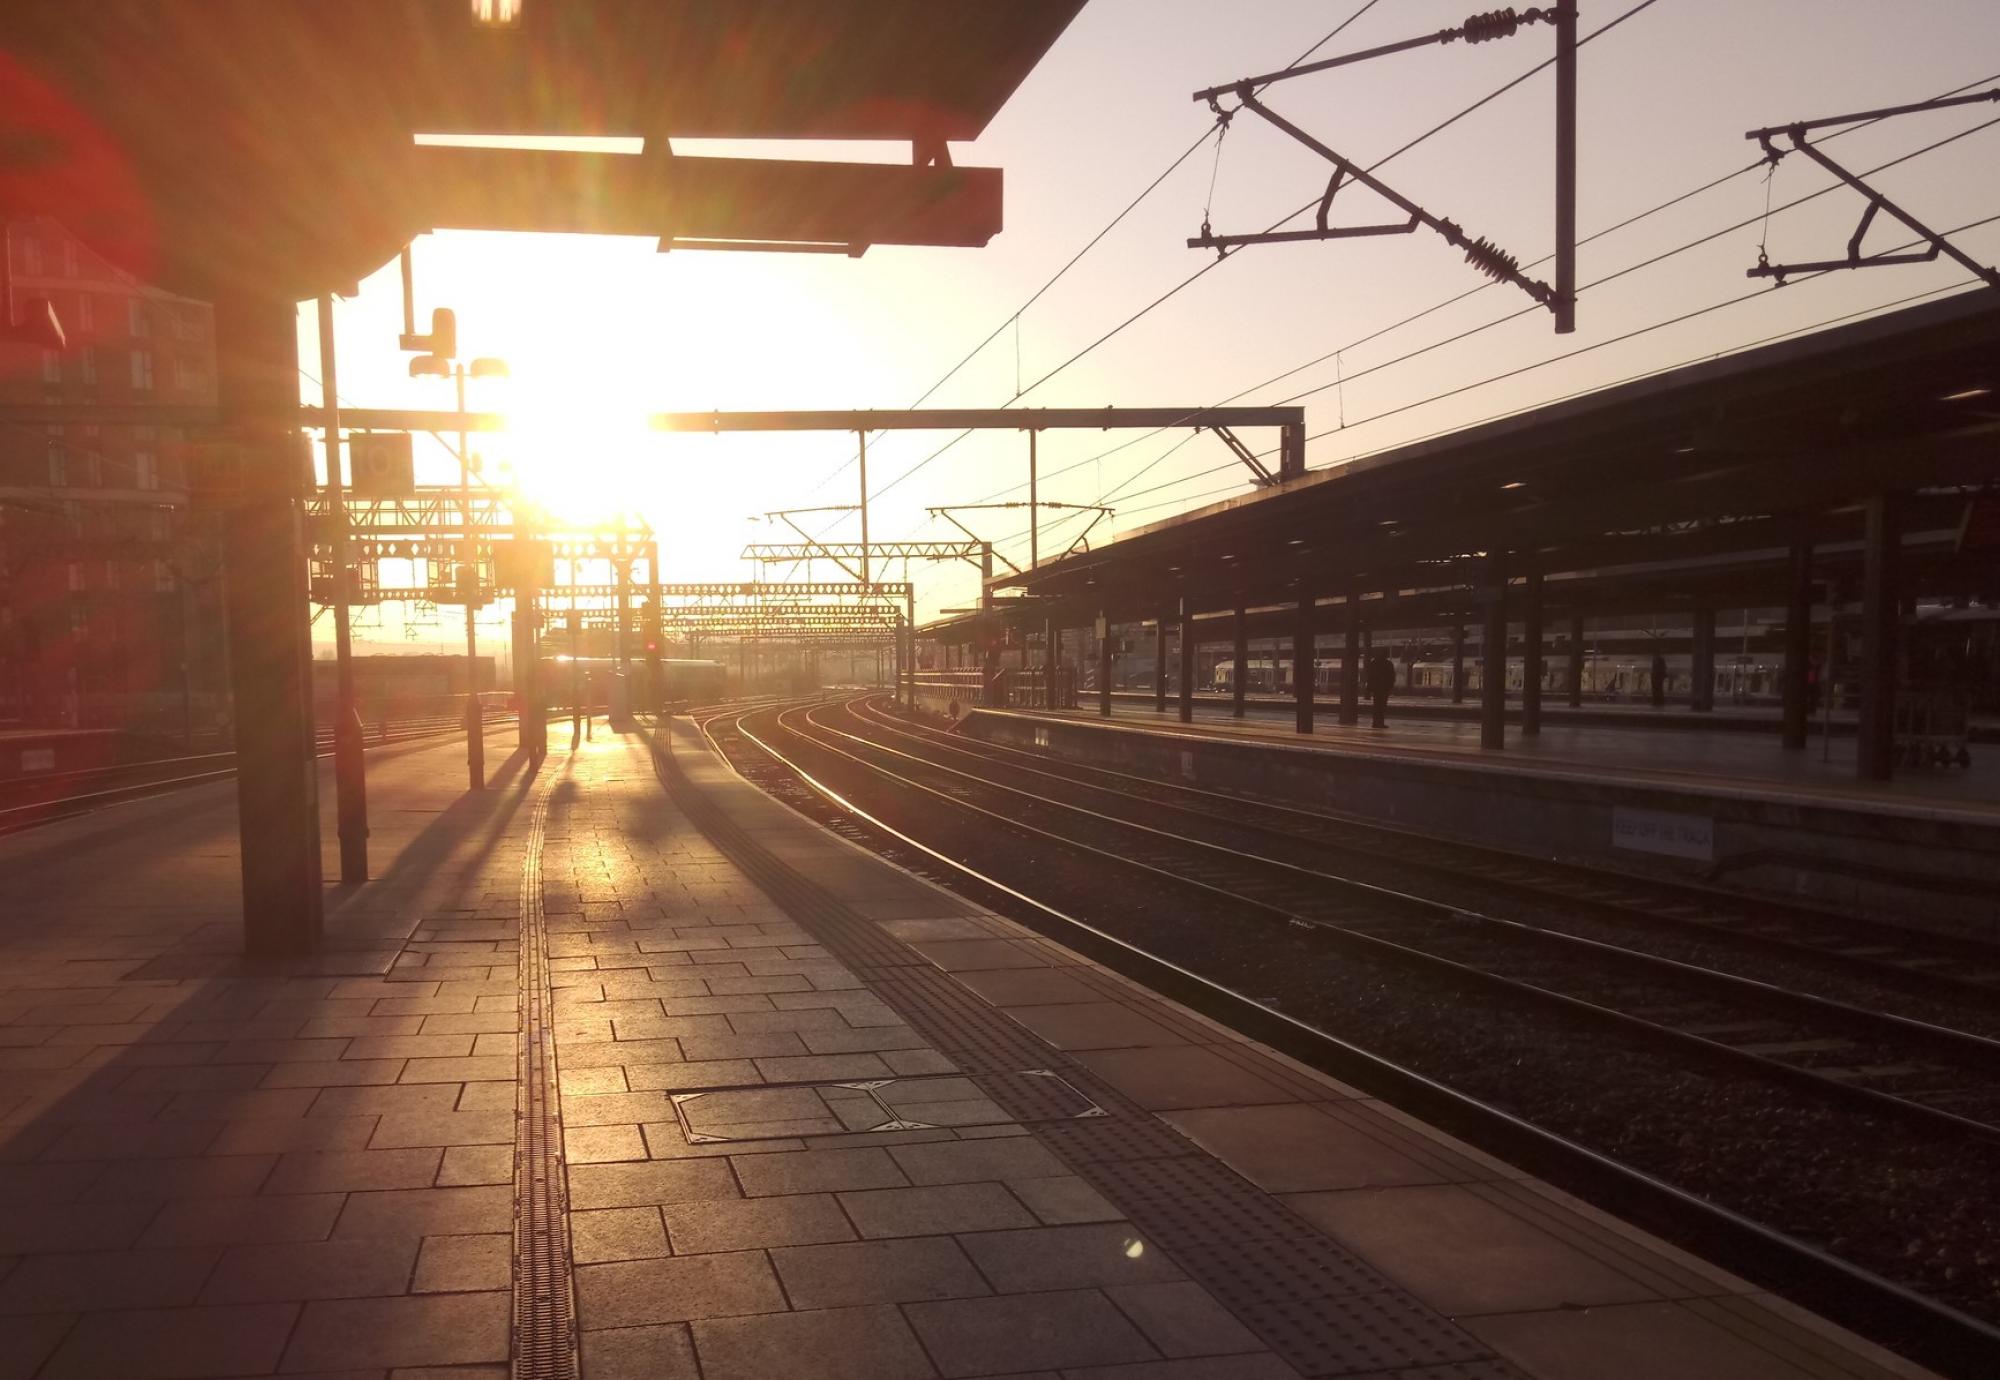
(1458, 297)
(1647, 329)
(1216, 262)
(1652, 260)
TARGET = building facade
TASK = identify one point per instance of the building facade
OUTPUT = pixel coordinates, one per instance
(110, 586)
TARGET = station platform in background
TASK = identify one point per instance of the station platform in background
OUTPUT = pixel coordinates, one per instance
(820, 1119)
(1708, 752)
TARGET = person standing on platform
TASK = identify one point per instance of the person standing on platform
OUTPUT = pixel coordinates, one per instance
(1659, 681)
(1381, 680)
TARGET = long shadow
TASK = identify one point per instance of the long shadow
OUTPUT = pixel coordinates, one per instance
(68, 1172)
(506, 790)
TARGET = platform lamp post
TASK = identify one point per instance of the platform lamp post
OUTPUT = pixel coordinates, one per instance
(437, 365)
(350, 772)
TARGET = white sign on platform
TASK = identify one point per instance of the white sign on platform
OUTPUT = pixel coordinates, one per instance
(1663, 831)
(38, 759)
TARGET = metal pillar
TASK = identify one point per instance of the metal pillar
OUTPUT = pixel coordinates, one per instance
(1458, 664)
(1051, 659)
(1576, 661)
(1305, 646)
(1104, 665)
(350, 772)
(1531, 656)
(270, 649)
(621, 644)
(1702, 662)
(1034, 507)
(1187, 664)
(1875, 753)
(1350, 662)
(1242, 650)
(910, 635)
(527, 674)
(862, 437)
(1798, 636)
(1493, 656)
(1565, 284)
(475, 722)
(1160, 664)
(656, 632)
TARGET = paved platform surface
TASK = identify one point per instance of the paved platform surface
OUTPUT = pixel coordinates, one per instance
(820, 1119)
(1722, 761)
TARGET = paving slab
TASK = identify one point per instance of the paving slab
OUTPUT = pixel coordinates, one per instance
(815, 1117)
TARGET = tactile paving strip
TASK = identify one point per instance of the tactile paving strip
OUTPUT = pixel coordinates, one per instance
(1322, 1310)
(544, 1332)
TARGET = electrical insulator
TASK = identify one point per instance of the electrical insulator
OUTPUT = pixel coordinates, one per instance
(1490, 259)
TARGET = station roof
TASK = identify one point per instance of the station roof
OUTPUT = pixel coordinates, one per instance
(189, 138)
(1687, 473)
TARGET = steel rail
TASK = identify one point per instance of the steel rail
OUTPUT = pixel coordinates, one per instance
(1953, 945)
(1946, 984)
(1378, 946)
(1930, 1331)
(1957, 1043)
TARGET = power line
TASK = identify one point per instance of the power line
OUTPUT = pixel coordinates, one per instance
(1213, 130)
(1615, 340)
(1525, 311)
(1453, 300)
(1203, 271)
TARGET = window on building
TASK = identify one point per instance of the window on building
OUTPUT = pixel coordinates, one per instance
(163, 577)
(145, 470)
(162, 524)
(135, 313)
(111, 574)
(142, 370)
(86, 363)
(76, 577)
(69, 258)
(188, 375)
(31, 256)
(86, 311)
(51, 367)
(58, 458)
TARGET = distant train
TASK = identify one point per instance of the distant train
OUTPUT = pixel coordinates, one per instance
(1737, 681)
(694, 681)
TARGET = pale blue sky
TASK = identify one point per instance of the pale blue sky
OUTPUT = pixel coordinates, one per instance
(615, 329)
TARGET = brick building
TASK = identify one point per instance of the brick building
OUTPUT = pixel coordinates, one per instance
(110, 598)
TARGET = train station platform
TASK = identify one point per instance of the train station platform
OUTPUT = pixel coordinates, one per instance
(1714, 803)
(816, 1118)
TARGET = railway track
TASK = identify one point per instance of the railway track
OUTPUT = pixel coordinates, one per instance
(1928, 1073)
(27, 802)
(1933, 1083)
(1940, 978)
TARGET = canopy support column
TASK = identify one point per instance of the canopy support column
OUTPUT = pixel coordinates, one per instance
(1876, 752)
(1493, 657)
(1798, 636)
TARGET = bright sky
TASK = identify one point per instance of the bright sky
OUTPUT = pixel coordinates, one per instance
(600, 331)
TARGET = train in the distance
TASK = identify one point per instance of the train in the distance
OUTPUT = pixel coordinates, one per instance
(690, 681)
(1738, 680)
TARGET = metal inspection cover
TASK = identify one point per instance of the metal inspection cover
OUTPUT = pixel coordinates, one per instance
(860, 1107)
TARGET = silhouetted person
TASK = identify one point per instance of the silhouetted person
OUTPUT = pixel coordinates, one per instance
(1381, 680)
(1659, 681)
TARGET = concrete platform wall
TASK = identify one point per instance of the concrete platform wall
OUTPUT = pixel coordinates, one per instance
(1915, 863)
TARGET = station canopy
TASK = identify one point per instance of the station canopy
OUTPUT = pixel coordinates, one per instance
(1682, 487)
(202, 144)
